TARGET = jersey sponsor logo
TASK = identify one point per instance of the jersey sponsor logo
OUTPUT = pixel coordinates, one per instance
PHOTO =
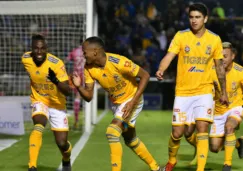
(40, 86)
(117, 96)
(194, 69)
(134, 66)
(208, 50)
(187, 49)
(176, 110)
(117, 87)
(52, 59)
(198, 44)
(114, 60)
(196, 60)
(209, 111)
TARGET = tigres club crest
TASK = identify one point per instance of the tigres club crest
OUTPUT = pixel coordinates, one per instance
(187, 49)
(233, 85)
(117, 78)
(208, 50)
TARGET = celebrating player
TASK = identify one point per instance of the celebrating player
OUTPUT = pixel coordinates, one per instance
(49, 86)
(117, 75)
(228, 119)
(79, 61)
(197, 48)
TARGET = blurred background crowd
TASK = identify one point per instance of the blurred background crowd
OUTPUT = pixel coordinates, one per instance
(142, 30)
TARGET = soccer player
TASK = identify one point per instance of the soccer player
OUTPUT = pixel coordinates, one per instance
(228, 119)
(117, 75)
(197, 49)
(49, 88)
(78, 61)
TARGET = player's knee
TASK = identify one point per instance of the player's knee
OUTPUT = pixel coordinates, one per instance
(113, 133)
(188, 134)
(214, 148)
(229, 129)
(177, 135)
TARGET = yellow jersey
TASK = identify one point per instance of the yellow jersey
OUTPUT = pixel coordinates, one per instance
(195, 61)
(118, 77)
(42, 89)
(234, 83)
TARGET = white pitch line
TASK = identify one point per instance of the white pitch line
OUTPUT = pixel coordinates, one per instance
(78, 147)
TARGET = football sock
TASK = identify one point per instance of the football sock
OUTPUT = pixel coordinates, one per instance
(174, 145)
(202, 150)
(230, 141)
(140, 149)
(113, 134)
(35, 142)
(67, 153)
(192, 140)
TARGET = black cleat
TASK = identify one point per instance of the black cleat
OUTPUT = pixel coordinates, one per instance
(66, 166)
(32, 169)
(226, 168)
(240, 148)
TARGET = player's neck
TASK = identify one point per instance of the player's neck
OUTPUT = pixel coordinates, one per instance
(227, 70)
(199, 33)
(102, 61)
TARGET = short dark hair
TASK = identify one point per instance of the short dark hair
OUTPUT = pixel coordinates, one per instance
(96, 40)
(38, 37)
(202, 8)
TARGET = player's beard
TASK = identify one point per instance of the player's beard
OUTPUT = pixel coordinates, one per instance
(39, 62)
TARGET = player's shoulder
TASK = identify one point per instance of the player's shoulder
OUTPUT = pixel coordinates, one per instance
(210, 33)
(53, 59)
(185, 31)
(115, 58)
(237, 67)
(26, 55)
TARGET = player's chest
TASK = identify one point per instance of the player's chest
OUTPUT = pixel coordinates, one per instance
(108, 78)
(233, 82)
(38, 75)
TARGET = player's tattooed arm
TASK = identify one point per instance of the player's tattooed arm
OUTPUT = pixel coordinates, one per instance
(221, 74)
(87, 91)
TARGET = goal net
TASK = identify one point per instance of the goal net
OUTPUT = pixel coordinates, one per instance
(62, 22)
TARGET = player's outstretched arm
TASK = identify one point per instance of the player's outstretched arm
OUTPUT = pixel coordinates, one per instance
(222, 80)
(62, 86)
(164, 64)
(87, 91)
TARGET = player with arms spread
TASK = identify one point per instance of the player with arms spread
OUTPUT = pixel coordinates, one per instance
(49, 86)
(197, 49)
(117, 75)
(228, 119)
(78, 64)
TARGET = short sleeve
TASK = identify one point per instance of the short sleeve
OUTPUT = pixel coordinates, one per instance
(175, 44)
(61, 72)
(218, 52)
(127, 67)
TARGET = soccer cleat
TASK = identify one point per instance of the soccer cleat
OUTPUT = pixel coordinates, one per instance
(226, 168)
(168, 167)
(240, 148)
(32, 169)
(66, 166)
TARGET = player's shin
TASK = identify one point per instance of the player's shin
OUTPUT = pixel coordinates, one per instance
(202, 150)
(230, 141)
(140, 149)
(76, 111)
(113, 134)
(174, 145)
(35, 142)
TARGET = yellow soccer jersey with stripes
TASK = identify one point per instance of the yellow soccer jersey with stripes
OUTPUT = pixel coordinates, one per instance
(195, 61)
(234, 83)
(118, 77)
(42, 89)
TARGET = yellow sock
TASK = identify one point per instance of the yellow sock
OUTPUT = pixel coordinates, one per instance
(202, 150)
(66, 154)
(192, 140)
(230, 141)
(140, 149)
(113, 134)
(174, 145)
(35, 142)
